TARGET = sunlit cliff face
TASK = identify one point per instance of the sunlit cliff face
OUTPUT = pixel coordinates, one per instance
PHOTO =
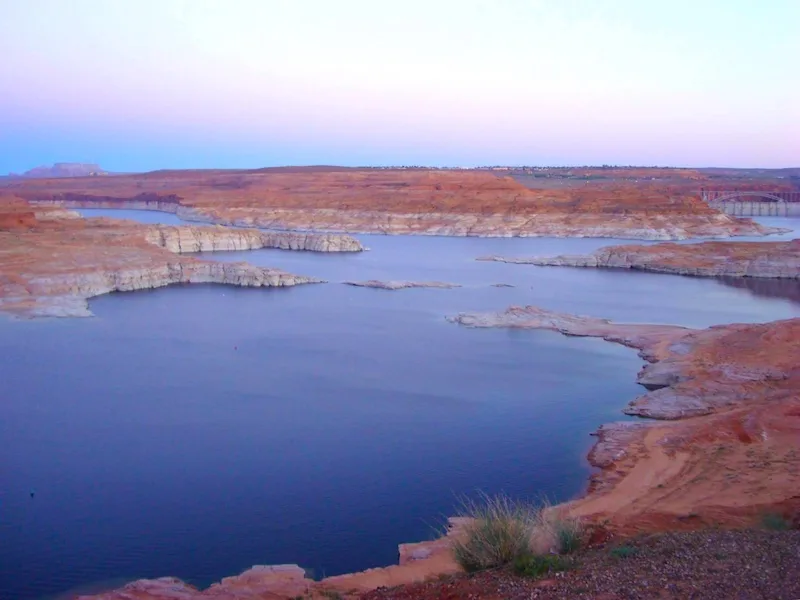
(142, 85)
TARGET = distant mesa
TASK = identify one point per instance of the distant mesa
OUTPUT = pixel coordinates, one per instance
(63, 169)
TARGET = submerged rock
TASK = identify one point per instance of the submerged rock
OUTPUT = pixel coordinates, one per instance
(400, 285)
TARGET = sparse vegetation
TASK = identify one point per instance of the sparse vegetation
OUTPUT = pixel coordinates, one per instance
(775, 522)
(569, 534)
(503, 531)
(539, 565)
(623, 552)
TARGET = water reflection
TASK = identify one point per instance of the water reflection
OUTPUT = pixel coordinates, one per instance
(788, 289)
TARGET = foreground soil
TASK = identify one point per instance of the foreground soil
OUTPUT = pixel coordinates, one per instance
(433, 202)
(707, 564)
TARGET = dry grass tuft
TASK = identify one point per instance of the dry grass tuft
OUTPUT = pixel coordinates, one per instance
(503, 530)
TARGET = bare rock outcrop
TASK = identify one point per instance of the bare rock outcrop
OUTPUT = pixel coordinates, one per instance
(52, 266)
(401, 285)
(417, 562)
(182, 239)
(777, 260)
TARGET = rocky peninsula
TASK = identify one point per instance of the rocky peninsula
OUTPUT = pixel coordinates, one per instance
(52, 262)
(409, 201)
(722, 441)
(777, 260)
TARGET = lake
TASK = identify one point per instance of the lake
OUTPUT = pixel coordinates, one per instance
(197, 430)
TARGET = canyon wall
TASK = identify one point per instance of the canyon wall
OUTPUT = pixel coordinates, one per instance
(183, 239)
(424, 202)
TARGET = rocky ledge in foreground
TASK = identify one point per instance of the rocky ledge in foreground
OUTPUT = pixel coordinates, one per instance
(401, 285)
(706, 259)
(725, 447)
(50, 266)
(418, 562)
(701, 565)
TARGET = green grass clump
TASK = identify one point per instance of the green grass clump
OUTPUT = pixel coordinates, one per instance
(539, 565)
(775, 522)
(569, 534)
(502, 530)
(624, 552)
(499, 533)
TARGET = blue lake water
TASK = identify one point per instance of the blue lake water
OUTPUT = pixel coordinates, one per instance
(197, 430)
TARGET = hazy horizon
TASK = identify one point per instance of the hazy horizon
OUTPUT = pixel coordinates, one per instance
(167, 84)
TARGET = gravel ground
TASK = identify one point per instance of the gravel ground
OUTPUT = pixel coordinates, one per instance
(719, 565)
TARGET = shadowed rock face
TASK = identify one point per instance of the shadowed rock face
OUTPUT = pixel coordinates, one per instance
(397, 202)
(726, 442)
(776, 260)
(52, 262)
(788, 289)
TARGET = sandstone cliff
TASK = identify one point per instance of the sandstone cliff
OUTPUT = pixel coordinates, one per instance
(459, 203)
(183, 239)
(51, 265)
(779, 260)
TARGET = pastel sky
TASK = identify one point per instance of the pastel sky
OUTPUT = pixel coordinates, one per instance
(146, 84)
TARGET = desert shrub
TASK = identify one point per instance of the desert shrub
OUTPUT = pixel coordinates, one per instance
(624, 552)
(775, 522)
(499, 532)
(568, 534)
(502, 530)
(539, 565)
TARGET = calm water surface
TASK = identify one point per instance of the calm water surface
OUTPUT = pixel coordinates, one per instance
(198, 430)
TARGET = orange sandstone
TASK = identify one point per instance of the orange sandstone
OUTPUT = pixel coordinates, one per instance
(402, 201)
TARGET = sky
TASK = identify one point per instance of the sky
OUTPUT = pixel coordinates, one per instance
(145, 84)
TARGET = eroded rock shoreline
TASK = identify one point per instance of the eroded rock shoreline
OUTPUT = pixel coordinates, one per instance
(53, 262)
(723, 442)
(404, 202)
(545, 224)
(774, 260)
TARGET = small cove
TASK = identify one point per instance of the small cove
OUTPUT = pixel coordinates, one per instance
(196, 430)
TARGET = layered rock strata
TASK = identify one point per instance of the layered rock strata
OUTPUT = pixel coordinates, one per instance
(725, 443)
(401, 285)
(51, 266)
(455, 203)
(779, 260)
(182, 239)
